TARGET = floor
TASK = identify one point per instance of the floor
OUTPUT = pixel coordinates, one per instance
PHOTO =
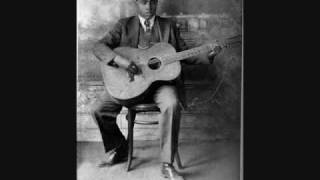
(206, 160)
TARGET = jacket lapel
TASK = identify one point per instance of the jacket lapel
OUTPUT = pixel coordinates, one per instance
(164, 29)
(133, 31)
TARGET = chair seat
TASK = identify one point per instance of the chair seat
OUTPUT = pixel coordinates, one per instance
(151, 107)
(145, 107)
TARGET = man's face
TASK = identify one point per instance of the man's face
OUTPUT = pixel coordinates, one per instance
(147, 8)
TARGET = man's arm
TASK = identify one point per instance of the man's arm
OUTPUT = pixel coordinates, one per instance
(206, 58)
(103, 50)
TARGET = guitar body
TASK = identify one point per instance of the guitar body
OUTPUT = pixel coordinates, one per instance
(152, 63)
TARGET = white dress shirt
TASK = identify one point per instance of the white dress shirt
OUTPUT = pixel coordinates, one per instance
(142, 20)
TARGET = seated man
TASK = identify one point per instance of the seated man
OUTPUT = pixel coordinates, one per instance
(142, 31)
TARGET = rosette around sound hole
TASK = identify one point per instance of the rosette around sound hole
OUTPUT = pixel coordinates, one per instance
(154, 63)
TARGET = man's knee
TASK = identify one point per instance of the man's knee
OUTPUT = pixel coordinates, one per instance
(168, 98)
(172, 102)
(105, 110)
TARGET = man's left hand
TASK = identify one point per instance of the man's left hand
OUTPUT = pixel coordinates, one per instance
(212, 54)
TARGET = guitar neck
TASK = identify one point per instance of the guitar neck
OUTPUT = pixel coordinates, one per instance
(189, 53)
(202, 49)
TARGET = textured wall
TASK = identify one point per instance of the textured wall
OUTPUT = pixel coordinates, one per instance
(211, 89)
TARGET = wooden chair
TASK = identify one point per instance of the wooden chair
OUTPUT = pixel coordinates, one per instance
(132, 111)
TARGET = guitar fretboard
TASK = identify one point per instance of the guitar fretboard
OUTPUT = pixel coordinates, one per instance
(189, 53)
(201, 49)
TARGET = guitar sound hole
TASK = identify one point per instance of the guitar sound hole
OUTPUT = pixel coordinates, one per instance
(154, 63)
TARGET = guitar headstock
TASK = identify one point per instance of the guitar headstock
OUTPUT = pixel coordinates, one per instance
(229, 42)
(217, 49)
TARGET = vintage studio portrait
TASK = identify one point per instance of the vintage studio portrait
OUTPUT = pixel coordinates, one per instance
(159, 89)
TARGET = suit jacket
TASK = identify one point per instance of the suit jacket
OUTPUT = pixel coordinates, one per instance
(125, 33)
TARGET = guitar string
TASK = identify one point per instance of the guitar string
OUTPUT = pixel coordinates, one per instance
(193, 52)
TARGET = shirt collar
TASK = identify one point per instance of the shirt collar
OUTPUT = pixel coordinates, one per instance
(142, 20)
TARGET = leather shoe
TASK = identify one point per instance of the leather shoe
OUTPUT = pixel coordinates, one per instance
(168, 171)
(115, 156)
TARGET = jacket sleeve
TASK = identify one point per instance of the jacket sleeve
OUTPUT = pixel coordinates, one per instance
(103, 49)
(182, 46)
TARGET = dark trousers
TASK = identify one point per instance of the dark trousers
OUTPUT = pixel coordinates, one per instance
(106, 109)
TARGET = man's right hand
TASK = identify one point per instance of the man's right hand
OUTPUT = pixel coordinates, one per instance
(124, 63)
(133, 68)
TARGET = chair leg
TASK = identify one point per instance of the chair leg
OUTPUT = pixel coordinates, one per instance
(130, 117)
(178, 160)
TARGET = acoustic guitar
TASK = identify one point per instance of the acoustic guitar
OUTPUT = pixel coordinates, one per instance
(160, 62)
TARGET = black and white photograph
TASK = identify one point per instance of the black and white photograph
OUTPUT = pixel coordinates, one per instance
(159, 90)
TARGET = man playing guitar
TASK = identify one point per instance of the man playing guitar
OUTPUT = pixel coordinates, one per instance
(142, 32)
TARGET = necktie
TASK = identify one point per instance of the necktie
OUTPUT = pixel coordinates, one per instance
(147, 23)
